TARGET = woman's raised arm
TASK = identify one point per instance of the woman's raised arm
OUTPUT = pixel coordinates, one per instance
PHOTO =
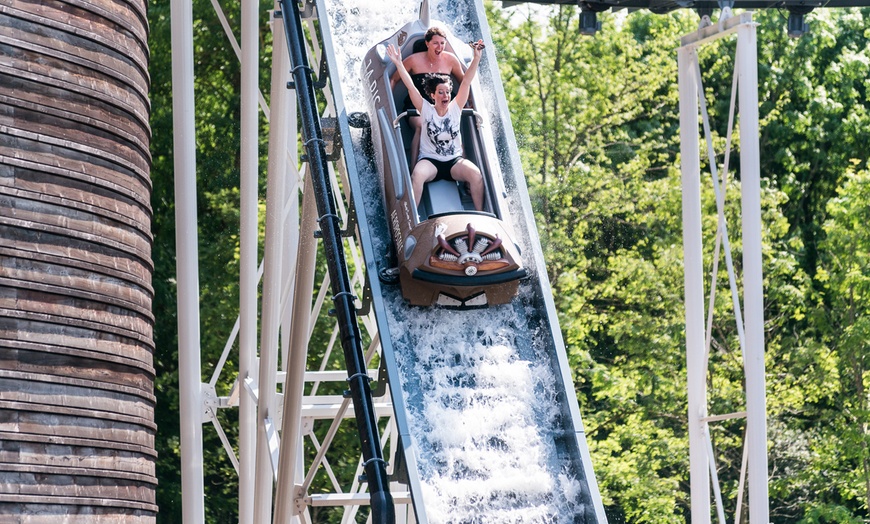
(465, 86)
(396, 58)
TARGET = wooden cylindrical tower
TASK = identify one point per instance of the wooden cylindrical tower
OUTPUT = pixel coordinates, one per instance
(76, 377)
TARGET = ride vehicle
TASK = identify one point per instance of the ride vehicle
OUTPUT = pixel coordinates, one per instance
(446, 252)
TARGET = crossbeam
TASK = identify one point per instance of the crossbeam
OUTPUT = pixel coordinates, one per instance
(351, 499)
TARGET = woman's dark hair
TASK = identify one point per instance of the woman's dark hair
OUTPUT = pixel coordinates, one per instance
(432, 80)
(434, 31)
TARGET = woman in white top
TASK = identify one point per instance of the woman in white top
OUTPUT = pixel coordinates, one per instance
(435, 59)
(441, 143)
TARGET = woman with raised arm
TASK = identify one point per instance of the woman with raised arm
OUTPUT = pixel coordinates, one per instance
(435, 59)
(440, 154)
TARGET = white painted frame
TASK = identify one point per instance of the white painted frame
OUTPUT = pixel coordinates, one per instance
(750, 330)
(288, 316)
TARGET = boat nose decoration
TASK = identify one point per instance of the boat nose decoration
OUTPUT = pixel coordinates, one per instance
(485, 253)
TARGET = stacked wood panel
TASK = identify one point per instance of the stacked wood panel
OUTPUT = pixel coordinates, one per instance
(76, 377)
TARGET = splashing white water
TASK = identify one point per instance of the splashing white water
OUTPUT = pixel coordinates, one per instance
(483, 405)
(481, 409)
(357, 25)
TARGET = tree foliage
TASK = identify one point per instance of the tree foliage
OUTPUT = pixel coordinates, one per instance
(597, 121)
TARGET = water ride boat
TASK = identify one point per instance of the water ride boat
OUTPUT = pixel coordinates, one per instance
(446, 251)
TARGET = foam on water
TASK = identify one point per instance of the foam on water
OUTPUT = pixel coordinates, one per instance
(356, 25)
(483, 401)
(482, 406)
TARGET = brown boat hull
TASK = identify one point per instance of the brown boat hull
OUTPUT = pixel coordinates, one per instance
(447, 252)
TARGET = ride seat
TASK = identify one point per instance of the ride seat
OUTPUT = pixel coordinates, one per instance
(419, 46)
(440, 196)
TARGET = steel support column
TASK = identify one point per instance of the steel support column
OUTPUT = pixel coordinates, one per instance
(751, 320)
(248, 238)
(753, 283)
(291, 433)
(289, 456)
(267, 413)
(694, 285)
(187, 263)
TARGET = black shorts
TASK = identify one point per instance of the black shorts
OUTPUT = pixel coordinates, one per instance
(443, 167)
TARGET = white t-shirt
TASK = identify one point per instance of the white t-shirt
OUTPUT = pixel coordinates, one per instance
(440, 139)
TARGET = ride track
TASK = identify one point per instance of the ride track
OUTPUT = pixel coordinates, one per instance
(529, 461)
(443, 367)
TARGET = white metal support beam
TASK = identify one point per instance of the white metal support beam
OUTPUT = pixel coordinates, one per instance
(276, 200)
(753, 283)
(702, 461)
(294, 383)
(249, 247)
(187, 263)
(694, 283)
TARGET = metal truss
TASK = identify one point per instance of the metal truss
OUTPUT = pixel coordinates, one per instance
(797, 10)
(285, 391)
(750, 320)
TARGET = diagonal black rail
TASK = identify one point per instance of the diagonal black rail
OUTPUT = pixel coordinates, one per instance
(383, 511)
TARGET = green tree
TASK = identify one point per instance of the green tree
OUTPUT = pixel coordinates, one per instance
(597, 125)
(597, 120)
(844, 276)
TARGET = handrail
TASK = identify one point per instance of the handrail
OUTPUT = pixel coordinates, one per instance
(398, 168)
(478, 118)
